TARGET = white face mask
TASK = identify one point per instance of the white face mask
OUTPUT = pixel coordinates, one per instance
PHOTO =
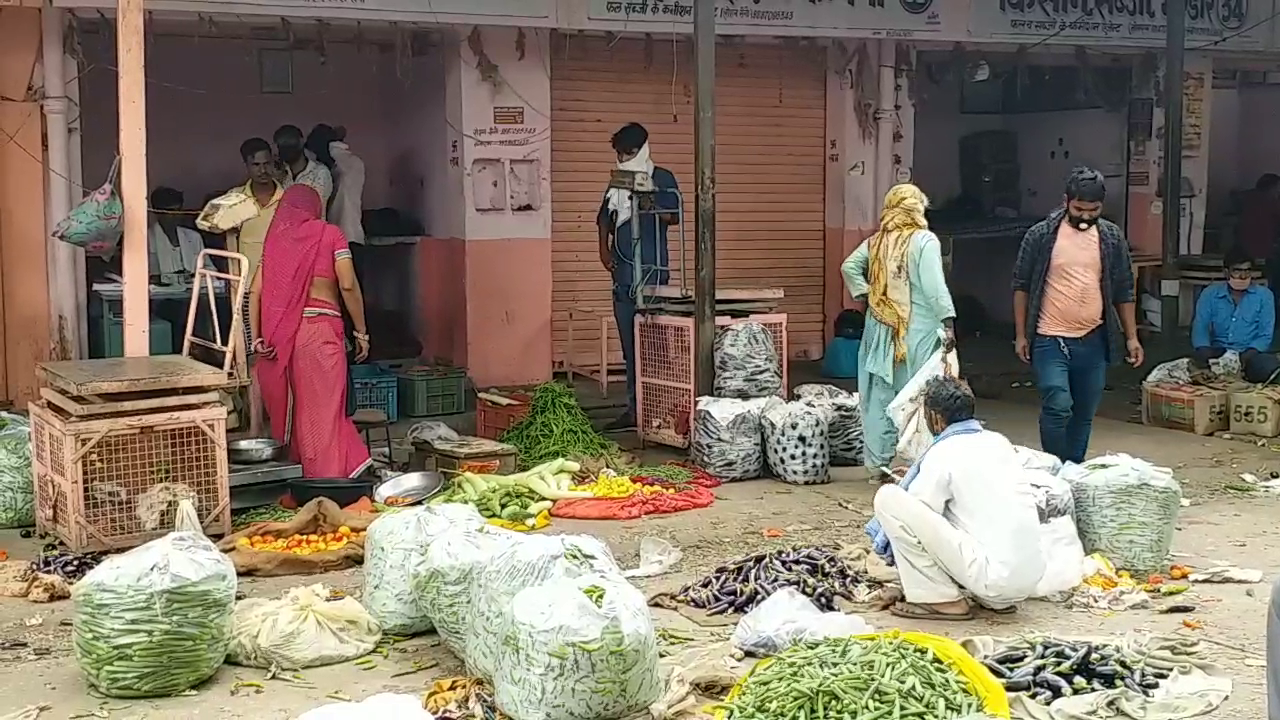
(1236, 283)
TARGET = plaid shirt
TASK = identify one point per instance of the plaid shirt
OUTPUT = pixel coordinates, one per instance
(1031, 271)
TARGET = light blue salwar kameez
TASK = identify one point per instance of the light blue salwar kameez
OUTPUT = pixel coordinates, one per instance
(879, 377)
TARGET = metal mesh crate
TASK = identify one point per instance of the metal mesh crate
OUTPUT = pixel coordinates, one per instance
(115, 482)
(664, 372)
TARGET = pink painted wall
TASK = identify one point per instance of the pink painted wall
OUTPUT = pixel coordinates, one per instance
(204, 99)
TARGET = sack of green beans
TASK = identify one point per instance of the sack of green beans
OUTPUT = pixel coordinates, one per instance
(395, 549)
(578, 649)
(1126, 509)
(155, 621)
(444, 585)
(17, 492)
(533, 560)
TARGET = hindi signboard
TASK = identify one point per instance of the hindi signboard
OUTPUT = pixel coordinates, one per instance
(891, 18)
(422, 10)
(1226, 23)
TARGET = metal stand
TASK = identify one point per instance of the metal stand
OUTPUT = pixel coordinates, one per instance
(644, 201)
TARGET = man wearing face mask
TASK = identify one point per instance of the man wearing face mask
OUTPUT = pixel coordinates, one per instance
(963, 521)
(618, 247)
(1072, 296)
(1236, 315)
(299, 167)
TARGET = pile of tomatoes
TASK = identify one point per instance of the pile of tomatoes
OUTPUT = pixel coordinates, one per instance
(302, 544)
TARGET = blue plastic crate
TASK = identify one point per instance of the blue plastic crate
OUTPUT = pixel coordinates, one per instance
(380, 392)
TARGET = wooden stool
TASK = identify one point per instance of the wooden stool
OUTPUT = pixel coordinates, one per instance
(367, 421)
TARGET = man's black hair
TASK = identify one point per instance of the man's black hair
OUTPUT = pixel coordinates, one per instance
(1267, 181)
(166, 198)
(288, 134)
(1086, 184)
(318, 143)
(948, 398)
(630, 138)
(1236, 255)
(253, 146)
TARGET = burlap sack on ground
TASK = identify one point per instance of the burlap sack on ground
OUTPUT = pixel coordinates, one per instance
(321, 515)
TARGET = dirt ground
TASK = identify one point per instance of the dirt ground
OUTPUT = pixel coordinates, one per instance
(1219, 527)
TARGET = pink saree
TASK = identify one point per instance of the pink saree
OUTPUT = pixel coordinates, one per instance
(304, 385)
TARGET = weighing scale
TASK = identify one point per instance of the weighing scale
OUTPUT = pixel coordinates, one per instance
(254, 484)
(640, 185)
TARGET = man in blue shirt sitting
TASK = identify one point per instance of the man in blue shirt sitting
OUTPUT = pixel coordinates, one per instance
(1236, 315)
(658, 211)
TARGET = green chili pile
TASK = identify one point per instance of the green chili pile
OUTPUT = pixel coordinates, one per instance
(885, 678)
(556, 427)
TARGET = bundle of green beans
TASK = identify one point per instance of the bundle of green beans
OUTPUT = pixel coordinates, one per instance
(155, 621)
(885, 678)
(242, 519)
(556, 427)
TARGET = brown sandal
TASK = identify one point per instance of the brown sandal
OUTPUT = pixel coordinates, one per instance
(915, 611)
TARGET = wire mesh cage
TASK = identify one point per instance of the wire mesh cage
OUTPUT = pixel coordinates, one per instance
(115, 482)
(664, 372)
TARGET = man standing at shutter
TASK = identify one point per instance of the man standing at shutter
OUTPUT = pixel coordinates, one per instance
(1073, 269)
(618, 249)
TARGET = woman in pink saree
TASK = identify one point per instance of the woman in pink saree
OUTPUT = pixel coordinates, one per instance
(296, 326)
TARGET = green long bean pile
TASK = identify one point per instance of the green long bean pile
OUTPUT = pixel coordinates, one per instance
(135, 642)
(556, 427)
(886, 678)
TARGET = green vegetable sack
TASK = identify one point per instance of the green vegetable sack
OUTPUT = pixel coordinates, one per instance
(155, 621)
(17, 490)
(577, 649)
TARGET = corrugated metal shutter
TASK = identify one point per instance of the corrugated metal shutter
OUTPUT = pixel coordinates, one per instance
(770, 135)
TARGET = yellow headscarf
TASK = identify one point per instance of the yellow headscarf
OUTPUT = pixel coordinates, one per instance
(889, 296)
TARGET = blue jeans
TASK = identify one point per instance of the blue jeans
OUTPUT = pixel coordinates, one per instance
(624, 313)
(1071, 374)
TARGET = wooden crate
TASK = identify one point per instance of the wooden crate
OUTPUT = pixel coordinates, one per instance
(467, 454)
(114, 482)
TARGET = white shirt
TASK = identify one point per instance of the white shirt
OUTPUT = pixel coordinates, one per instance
(348, 197)
(316, 176)
(165, 259)
(977, 482)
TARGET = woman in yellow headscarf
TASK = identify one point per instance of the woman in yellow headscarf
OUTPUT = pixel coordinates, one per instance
(898, 271)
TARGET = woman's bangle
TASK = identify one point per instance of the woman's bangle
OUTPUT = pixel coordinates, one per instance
(361, 336)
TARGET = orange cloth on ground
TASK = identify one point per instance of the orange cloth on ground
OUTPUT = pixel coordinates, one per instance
(1072, 305)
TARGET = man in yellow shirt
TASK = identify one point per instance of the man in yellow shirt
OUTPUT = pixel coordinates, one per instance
(250, 237)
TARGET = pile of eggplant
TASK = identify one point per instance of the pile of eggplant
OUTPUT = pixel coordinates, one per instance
(817, 572)
(1050, 669)
(70, 566)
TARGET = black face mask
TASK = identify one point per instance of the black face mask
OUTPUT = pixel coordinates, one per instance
(290, 155)
(1081, 223)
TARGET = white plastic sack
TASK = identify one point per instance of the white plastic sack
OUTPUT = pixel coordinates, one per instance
(844, 420)
(395, 549)
(383, 706)
(17, 491)
(444, 585)
(303, 628)
(906, 412)
(1054, 498)
(156, 620)
(795, 442)
(1032, 459)
(578, 649)
(726, 440)
(1063, 558)
(1126, 509)
(786, 618)
(532, 560)
(746, 362)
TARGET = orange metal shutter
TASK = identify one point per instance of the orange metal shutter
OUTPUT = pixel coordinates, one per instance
(770, 174)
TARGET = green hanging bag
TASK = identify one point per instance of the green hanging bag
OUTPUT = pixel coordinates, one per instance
(96, 223)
